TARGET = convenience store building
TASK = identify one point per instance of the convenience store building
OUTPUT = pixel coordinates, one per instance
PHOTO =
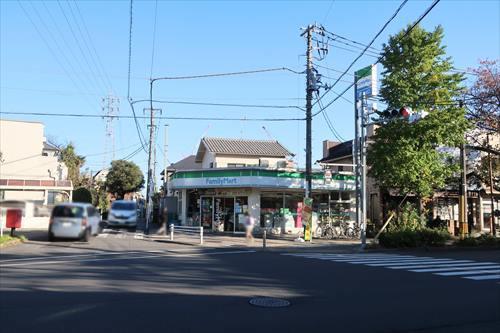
(235, 177)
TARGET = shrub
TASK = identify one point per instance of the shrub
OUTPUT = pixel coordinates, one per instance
(483, 240)
(414, 238)
(408, 219)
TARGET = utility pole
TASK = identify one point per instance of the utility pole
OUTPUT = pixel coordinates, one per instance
(150, 182)
(464, 228)
(490, 176)
(356, 150)
(363, 170)
(309, 92)
(165, 149)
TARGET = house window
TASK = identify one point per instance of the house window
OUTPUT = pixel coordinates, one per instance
(341, 168)
(211, 165)
(236, 165)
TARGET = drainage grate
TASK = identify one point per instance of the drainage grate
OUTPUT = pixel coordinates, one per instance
(269, 302)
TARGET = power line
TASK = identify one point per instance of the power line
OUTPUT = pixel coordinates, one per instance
(86, 43)
(265, 70)
(356, 49)
(424, 14)
(221, 104)
(154, 39)
(51, 50)
(351, 41)
(78, 43)
(92, 44)
(129, 48)
(353, 49)
(62, 37)
(366, 47)
(137, 126)
(330, 125)
(331, 69)
(81, 115)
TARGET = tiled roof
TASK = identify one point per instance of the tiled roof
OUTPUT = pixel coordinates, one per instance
(49, 146)
(343, 149)
(187, 163)
(246, 147)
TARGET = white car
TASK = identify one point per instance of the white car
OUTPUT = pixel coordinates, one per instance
(123, 213)
(74, 220)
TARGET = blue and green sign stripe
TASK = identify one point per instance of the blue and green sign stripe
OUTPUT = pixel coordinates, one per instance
(256, 173)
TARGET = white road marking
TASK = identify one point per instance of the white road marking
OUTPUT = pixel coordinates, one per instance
(423, 263)
(467, 269)
(479, 266)
(384, 262)
(468, 272)
(483, 277)
(103, 235)
(150, 256)
(456, 263)
(71, 256)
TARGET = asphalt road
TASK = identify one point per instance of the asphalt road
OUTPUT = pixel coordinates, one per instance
(125, 284)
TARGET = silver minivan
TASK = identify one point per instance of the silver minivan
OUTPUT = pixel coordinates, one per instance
(123, 213)
(74, 220)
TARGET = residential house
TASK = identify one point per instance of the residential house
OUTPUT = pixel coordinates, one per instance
(30, 168)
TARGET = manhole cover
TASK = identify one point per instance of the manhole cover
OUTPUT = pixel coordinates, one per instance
(269, 302)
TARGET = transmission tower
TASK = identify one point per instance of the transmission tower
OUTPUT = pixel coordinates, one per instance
(110, 109)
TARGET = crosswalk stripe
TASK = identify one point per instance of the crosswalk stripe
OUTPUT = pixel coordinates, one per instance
(467, 272)
(456, 263)
(385, 262)
(467, 269)
(479, 266)
(382, 259)
(424, 263)
(483, 277)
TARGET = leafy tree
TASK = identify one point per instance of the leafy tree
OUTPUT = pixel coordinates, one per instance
(483, 97)
(483, 108)
(82, 194)
(405, 156)
(73, 162)
(124, 177)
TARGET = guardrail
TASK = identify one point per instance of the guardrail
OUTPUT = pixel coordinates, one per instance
(186, 230)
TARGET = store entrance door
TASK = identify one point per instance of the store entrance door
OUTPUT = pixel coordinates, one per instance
(224, 213)
(206, 212)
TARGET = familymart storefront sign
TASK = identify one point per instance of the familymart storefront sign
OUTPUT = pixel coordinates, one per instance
(260, 178)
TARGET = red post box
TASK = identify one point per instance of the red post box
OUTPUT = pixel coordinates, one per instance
(14, 217)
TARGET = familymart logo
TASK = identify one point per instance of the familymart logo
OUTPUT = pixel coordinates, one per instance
(222, 181)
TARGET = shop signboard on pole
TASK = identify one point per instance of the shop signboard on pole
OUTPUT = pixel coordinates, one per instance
(307, 218)
(366, 83)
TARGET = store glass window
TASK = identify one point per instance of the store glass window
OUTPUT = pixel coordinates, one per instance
(292, 214)
(270, 208)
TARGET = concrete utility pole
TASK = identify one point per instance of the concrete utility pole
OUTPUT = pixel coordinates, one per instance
(356, 151)
(165, 162)
(490, 174)
(150, 183)
(309, 93)
(464, 228)
(362, 161)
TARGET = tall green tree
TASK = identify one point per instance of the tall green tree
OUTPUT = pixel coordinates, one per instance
(73, 162)
(407, 156)
(124, 177)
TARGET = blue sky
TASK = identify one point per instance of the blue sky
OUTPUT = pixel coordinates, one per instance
(61, 74)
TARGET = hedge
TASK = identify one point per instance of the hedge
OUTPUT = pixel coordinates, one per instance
(414, 238)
